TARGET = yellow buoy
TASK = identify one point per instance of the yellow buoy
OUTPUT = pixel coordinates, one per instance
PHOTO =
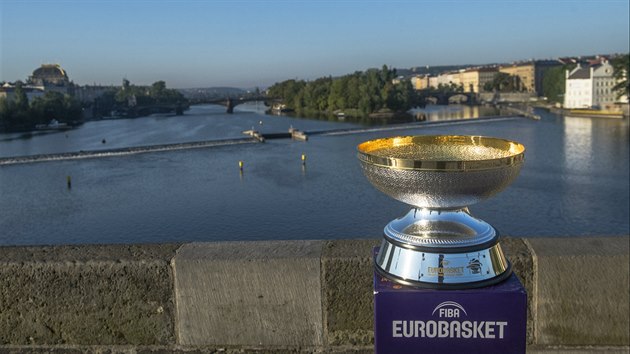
(303, 159)
(240, 165)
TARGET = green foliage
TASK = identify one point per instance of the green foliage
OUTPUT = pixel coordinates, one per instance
(130, 95)
(451, 87)
(14, 112)
(17, 114)
(364, 92)
(621, 67)
(553, 84)
(504, 82)
(104, 104)
(55, 105)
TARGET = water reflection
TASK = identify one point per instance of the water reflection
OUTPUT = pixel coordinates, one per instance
(452, 112)
(578, 143)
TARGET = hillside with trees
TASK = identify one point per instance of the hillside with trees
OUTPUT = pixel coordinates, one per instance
(357, 94)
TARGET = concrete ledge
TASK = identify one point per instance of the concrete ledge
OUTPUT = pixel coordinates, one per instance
(249, 293)
(581, 290)
(87, 295)
(278, 296)
(348, 302)
(121, 349)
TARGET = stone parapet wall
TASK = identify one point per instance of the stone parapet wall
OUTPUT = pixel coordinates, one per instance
(279, 296)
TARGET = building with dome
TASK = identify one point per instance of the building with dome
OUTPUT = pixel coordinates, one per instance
(51, 77)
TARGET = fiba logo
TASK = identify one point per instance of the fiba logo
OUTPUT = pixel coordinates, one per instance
(449, 309)
(449, 325)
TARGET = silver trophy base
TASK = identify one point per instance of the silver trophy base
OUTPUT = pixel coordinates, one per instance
(442, 249)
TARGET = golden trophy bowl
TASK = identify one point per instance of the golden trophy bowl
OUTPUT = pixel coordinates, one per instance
(438, 244)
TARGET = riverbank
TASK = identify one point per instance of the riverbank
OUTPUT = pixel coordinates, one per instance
(279, 296)
(588, 113)
(623, 112)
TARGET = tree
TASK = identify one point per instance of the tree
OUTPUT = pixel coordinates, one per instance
(504, 82)
(14, 111)
(54, 105)
(158, 90)
(20, 99)
(5, 113)
(18, 114)
(621, 68)
(501, 81)
(337, 99)
(364, 92)
(553, 84)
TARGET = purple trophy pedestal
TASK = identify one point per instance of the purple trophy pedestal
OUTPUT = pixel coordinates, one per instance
(483, 320)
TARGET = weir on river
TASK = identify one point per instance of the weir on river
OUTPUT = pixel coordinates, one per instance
(223, 142)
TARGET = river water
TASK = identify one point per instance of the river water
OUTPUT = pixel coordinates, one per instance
(574, 181)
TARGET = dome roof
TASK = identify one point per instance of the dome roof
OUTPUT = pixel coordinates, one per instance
(50, 71)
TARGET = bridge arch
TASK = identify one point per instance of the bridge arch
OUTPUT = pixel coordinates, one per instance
(449, 97)
(458, 98)
(231, 102)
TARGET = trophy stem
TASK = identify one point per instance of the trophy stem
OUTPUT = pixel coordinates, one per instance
(443, 249)
(431, 229)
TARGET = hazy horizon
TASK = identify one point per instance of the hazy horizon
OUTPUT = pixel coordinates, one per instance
(248, 43)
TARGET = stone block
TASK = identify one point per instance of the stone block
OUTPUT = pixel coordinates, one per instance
(518, 253)
(582, 290)
(110, 294)
(348, 295)
(249, 293)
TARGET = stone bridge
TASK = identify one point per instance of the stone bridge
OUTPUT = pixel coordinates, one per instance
(449, 97)
(231, 102)
(146, 109)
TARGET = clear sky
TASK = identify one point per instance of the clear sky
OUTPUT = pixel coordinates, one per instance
(251, 43)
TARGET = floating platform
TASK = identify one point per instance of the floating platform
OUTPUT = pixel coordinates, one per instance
(297, 134)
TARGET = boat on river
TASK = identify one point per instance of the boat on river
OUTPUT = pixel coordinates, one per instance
(53, 125)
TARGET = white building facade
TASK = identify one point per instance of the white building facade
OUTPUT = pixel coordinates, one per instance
(591, 87)
(7, 91)
(603, 81)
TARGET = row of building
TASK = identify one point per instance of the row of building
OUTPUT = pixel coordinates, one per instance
(474, 79)
(52, 77)
(588, 85)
